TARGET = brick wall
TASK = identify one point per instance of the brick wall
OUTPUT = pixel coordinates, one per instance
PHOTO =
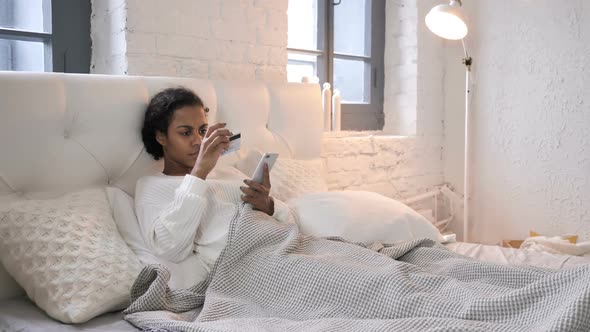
(108, 31)
(395, 166)
(401, 67)
(246, 40)
(215, 39)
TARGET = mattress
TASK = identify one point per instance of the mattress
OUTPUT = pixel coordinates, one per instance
(20, 314)
(497, 254)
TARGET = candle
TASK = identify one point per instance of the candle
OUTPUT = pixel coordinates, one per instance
(336, 110)
(327, 105)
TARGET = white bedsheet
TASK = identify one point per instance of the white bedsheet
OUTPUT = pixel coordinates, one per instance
(20, 314)
(497, 254)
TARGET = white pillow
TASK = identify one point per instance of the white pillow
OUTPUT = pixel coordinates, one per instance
(289, 178)
(361, 216)
(184, 274)
(67, 255)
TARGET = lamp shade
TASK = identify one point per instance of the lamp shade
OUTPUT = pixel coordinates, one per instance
(447, 21)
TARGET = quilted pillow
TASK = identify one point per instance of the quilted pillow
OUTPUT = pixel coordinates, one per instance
(68, 255)
(289, 178)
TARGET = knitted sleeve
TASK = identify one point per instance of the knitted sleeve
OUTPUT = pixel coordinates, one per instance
(170, 231)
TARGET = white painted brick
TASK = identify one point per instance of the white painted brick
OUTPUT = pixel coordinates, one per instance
(112, 65)
(108, 37)
(237, 3)
(222, 30)
(344, 179)
(234, 11)
(177, 46)
(408, 56)
(273, 4)
(411, 186)
(227, 39)
(272, 37)
(278, 56)
(151, 66)
(204, 8)
(383, 188)
(167, 17)
(141, 43)
(377, 175)
(348, 146)
(231, 71)
(388, 159)
(186, 24)
(392, 143)
(331, 147)
(258, 54)
(256, 14)
(231, 51)
(277, 19)
(271, 73)
(194, 69)
(349, 163)
(117, 18)
(142, 16)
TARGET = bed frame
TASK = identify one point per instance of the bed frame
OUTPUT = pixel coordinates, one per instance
(61, 132)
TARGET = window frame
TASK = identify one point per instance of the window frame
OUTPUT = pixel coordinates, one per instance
(355, 116)
(67, 44)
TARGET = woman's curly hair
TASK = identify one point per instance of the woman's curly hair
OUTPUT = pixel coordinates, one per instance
(159, 113)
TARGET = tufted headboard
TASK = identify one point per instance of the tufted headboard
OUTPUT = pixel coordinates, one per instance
(60, 132)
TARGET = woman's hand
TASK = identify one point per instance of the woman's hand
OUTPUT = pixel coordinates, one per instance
(257, 194)
(215, 141)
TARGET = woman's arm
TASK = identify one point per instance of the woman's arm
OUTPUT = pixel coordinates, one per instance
(170, 231)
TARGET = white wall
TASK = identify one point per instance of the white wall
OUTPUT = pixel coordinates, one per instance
(531, 117)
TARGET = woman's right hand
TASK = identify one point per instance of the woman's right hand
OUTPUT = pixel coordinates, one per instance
(216, 140)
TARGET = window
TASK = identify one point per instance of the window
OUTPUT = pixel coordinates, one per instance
(341, 42)
(45, 35)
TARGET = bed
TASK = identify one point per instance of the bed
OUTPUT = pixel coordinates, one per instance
(76, 140)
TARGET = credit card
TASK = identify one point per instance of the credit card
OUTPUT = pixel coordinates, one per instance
(234, 144)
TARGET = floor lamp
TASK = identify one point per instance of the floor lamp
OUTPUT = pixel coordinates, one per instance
(447, 21)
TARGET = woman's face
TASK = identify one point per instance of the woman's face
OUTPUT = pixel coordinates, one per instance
(185, 133)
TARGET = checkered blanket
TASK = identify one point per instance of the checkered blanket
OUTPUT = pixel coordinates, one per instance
(271, 278)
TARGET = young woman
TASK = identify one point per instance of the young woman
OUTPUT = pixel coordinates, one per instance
(186, 210)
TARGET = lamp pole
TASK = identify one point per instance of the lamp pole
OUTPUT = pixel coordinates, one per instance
(447, 21)
(467, 61)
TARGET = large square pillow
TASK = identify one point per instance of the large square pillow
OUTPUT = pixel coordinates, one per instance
(361, 216)
(289, 178)
(68, 255)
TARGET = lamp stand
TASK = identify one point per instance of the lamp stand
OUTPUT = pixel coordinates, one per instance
(467, 61)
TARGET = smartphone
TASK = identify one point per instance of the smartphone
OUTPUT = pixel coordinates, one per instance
(267, 158)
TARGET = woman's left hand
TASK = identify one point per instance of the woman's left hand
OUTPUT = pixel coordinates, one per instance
(257, 194)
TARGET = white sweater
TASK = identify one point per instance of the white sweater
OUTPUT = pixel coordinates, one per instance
(184, 215)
